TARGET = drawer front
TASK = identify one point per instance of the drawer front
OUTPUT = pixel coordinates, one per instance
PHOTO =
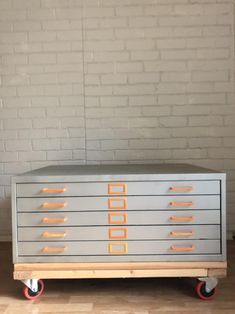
(118, 233)
(96, 248)
(119, 218)
(118, 203)
(118, 188)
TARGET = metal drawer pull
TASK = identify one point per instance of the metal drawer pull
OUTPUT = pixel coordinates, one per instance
(182, 248)
(123, 245)
(53, 249)
(181, 204)
(118, 221)
(49, 205)
(113, 236)
(181, 188)
(47, 190)
(53, 220)
(111, 188)
(47, 234)
(121, 201)
(174, 218)
(179, 234)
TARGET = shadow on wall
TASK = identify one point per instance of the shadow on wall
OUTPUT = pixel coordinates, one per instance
(5, 219)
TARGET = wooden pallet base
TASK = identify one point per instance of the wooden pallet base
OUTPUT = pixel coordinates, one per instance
(119, 270)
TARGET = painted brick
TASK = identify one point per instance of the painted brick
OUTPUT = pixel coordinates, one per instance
(158, 10)
(15, 59)
(113, 145)
(40, 14)
(46, 144)
(45, 123)
(98, 12)
(8, 156)
(142, 100)
(32, 156)
(100, 68)
(35, 133)
(142, 21)
(56, 46)
(109, 56)
(129, 11)
(42, 58)
(173, 121)
(69, 35)
(116, 81)
(73, 143)
(102, 45)
(99, 34)
(113, 101)
(17, 124)
(140, 44)
(143, 78)
(16, 167)
(129, 67)
(203, 76)
(145, 55)
(41, 79)
(31, 113)
(18, 145)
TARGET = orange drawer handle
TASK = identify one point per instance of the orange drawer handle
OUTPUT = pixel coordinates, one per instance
(53, 249)
(47, 190)
(117, 222)
(181, 188)
(112, 185)
(112, 236)
(123, 251)
(49, 205)
(179, 234)
(122, 206)
(181, 218)
(47, 234)
(182, 248)
(181, 204)
(53, 220)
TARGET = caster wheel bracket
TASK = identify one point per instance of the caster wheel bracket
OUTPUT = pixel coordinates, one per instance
(32, 284)
(210, 282)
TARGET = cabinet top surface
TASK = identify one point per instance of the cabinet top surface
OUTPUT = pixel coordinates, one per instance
(130, 169)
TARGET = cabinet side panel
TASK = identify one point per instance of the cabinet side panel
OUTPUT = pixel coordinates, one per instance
(14, 223)
(223, 218)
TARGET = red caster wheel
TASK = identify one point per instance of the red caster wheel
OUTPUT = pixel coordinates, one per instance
(202, 291)
(31, 295)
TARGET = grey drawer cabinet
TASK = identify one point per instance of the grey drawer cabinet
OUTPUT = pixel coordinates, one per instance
(119, 214)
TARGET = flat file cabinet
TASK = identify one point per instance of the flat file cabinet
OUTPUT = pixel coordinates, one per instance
(119, 221)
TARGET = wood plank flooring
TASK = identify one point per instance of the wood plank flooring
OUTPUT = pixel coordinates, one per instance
(115, 296)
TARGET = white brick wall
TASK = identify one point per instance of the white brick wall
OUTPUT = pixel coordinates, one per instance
(116, 81)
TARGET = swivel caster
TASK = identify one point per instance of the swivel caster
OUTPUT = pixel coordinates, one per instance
(204, 292)
(32, 293)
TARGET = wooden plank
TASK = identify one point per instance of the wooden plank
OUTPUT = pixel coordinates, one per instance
(116, 266)
(136, 273)
(217, 272)
(119, 270)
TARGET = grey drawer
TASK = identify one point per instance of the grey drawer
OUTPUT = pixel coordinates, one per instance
(118, 203)
(118, 233)
(185, 247)
(118, 188)
(119, 218)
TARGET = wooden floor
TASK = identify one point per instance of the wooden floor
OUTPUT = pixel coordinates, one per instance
(115, 296)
